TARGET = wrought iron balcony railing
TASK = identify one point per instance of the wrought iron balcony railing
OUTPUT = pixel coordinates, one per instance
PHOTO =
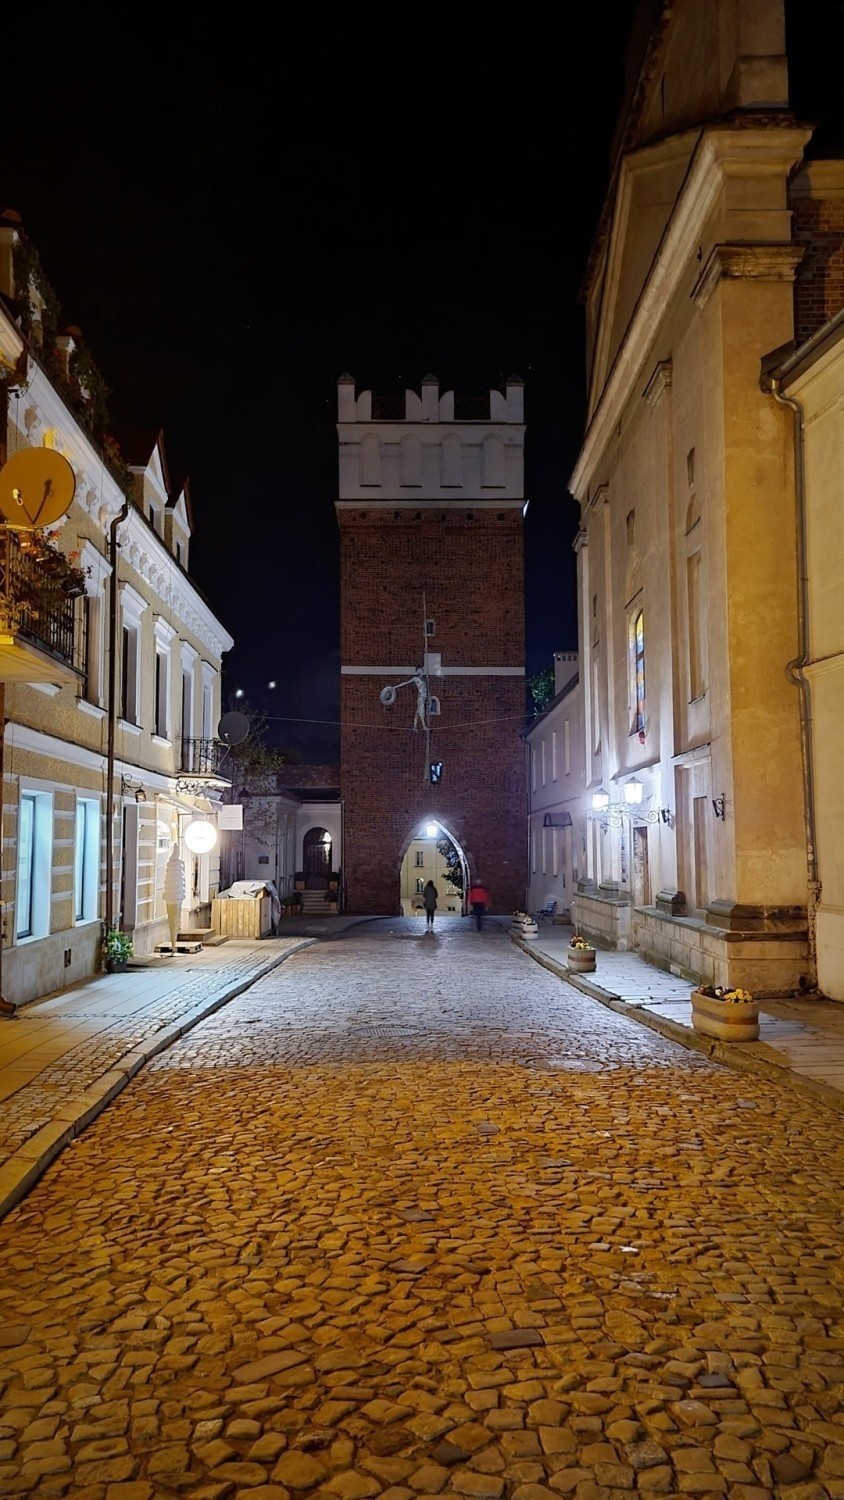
(38, 603)
(202, 760)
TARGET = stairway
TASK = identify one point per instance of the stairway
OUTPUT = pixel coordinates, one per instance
(314, 904)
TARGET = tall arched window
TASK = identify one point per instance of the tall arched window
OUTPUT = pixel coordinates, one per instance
(636, 670)
(698, 652)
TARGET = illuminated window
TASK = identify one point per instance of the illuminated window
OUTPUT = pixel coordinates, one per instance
(636, 670)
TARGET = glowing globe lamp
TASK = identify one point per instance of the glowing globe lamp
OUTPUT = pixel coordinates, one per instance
(200, 836)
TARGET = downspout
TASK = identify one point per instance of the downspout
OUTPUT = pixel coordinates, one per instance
(112, 714)
(795, 670)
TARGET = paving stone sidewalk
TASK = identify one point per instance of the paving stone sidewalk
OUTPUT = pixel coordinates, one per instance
(801, 1042)
(63, 1058)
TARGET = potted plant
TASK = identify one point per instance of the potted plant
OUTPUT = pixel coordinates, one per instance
(522, 925)
(581, 957)
(117, 950)
(290, 905)
(730, 1014)
(299, 880)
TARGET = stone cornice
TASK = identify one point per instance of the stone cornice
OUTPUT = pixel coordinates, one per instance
(660, 381)
(720, 153)
(746, 261)
(147, 555)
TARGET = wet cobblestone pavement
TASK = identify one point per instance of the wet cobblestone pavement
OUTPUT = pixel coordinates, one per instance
(413, 1217)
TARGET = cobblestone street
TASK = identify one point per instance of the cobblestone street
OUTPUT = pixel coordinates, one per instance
(411, 1217)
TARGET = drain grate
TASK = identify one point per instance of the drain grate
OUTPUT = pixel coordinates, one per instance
(386, 1031)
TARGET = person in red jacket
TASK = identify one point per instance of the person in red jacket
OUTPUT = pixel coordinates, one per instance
(478, 901)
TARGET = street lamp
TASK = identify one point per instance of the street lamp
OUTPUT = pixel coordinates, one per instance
(431, 830)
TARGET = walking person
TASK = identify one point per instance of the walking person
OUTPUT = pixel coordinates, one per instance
(478, 901)
(429, 901)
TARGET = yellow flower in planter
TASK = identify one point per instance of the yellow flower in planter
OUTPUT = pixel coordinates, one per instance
(722, 992)
(581, 943)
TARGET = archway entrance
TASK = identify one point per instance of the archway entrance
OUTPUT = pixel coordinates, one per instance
(433, 853)
(316, 859)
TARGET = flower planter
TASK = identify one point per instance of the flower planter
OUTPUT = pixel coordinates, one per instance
(581, 960)
(529, 929)
(728, 1020)
(116, 965)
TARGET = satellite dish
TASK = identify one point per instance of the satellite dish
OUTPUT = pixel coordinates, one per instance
(36, 487)
(233, 728)
(388, 696)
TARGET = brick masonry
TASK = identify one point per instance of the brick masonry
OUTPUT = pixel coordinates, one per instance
(818, 224)
(469, 565)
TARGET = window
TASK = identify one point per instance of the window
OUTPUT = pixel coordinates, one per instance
(129, 675)
(420, 859)
(543, 769)
(553, 755)
(160, 695)
(26, 862)
(533, 768)
(187, 704)
(533, 851)
(566, 748)
(698, 654)
(430, 627)
(86, 863)
(435, 771)
(433, 706)
(33, 886)
(544, 836)
(420, 886)
(596, 701)
(132, 607)
(636, 670)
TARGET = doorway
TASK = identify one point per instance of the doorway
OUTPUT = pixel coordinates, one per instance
(316, 859)
(641, 868)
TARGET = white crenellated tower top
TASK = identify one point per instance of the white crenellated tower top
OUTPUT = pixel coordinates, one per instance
(431, 447)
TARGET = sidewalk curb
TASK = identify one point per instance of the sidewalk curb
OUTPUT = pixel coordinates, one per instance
(731, 1054)
(22, 1169)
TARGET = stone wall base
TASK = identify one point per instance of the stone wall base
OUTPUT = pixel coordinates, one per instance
(37, 968)
(603, 919)
(765, 963)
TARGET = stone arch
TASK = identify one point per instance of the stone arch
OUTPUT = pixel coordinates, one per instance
(493, 475)
(451, 461)
(462, 849)
(370, 459)
(410, 460)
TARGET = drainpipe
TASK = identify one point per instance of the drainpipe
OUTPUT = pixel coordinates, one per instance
(112, 713)
(795, 669)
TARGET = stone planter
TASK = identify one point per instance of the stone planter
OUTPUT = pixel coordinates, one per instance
(116, 965)
(529, 928)
(581, 960)
(729, 1021)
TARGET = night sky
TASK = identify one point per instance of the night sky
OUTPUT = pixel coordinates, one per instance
(235, 219)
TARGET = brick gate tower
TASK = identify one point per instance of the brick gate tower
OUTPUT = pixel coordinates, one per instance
(430, 509)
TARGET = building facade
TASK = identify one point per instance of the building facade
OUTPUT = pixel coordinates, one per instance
(128, 528)
(809, 381)
(431, 499)
(558, 828)
(717, 241)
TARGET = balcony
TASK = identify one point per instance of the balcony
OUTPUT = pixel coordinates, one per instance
(41, 634)
(200, 764)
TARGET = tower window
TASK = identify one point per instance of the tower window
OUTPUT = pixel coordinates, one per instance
(436, 771)
(433, 706)
(430, 627)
